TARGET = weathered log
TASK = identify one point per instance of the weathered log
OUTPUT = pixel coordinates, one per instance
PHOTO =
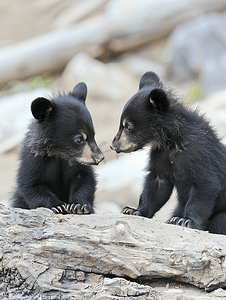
(49, 52)
(83, 256)
(77, 12)
(52, 51)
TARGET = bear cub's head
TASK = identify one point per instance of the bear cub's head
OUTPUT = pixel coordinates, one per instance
(142, 116)
(63, 129)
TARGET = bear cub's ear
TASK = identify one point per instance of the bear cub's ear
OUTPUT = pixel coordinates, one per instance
(41, 108)
(80, 91)
(148, 79)
(159, 100)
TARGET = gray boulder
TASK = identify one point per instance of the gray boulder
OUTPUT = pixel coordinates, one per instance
(197, 49)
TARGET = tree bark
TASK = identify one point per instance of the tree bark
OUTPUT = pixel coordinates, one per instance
(90, 256)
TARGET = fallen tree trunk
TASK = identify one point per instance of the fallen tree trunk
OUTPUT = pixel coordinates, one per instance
(94, 255)
(52, 51)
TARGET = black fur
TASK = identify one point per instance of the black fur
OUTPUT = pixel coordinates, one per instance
(55, 170)
(186, 154)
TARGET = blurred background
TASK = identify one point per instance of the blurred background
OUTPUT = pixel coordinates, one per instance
(50, 46)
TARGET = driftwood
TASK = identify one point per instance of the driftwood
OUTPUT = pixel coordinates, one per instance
(113, 256)
(52, 51)
(77, 12)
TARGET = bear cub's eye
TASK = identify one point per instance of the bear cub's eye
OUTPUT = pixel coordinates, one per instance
(128, 127)
(79, 140)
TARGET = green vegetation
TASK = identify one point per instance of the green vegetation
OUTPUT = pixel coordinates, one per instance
(194, 95)
(43, 81)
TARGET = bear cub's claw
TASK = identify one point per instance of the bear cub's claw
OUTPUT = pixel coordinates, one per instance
(130, 211)
(78, 209)
(60, 209)
(181, 222)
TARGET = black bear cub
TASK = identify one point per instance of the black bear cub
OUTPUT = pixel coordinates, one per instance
(58, 151)
(185, 154)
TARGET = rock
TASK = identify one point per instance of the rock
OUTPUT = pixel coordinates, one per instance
(15, 115)
(121, 179)
(197, 48)
(120, 182)
(131, 170)
(214, 107)
(106, 207)
(8, 165)
(104, 81)
(138, 65)
(106, 257)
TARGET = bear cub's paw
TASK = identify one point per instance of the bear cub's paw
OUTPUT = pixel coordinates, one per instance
(181, 222)
(78, 209)
(131, 211)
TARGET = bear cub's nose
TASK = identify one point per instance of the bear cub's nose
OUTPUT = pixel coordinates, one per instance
(97, 157)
